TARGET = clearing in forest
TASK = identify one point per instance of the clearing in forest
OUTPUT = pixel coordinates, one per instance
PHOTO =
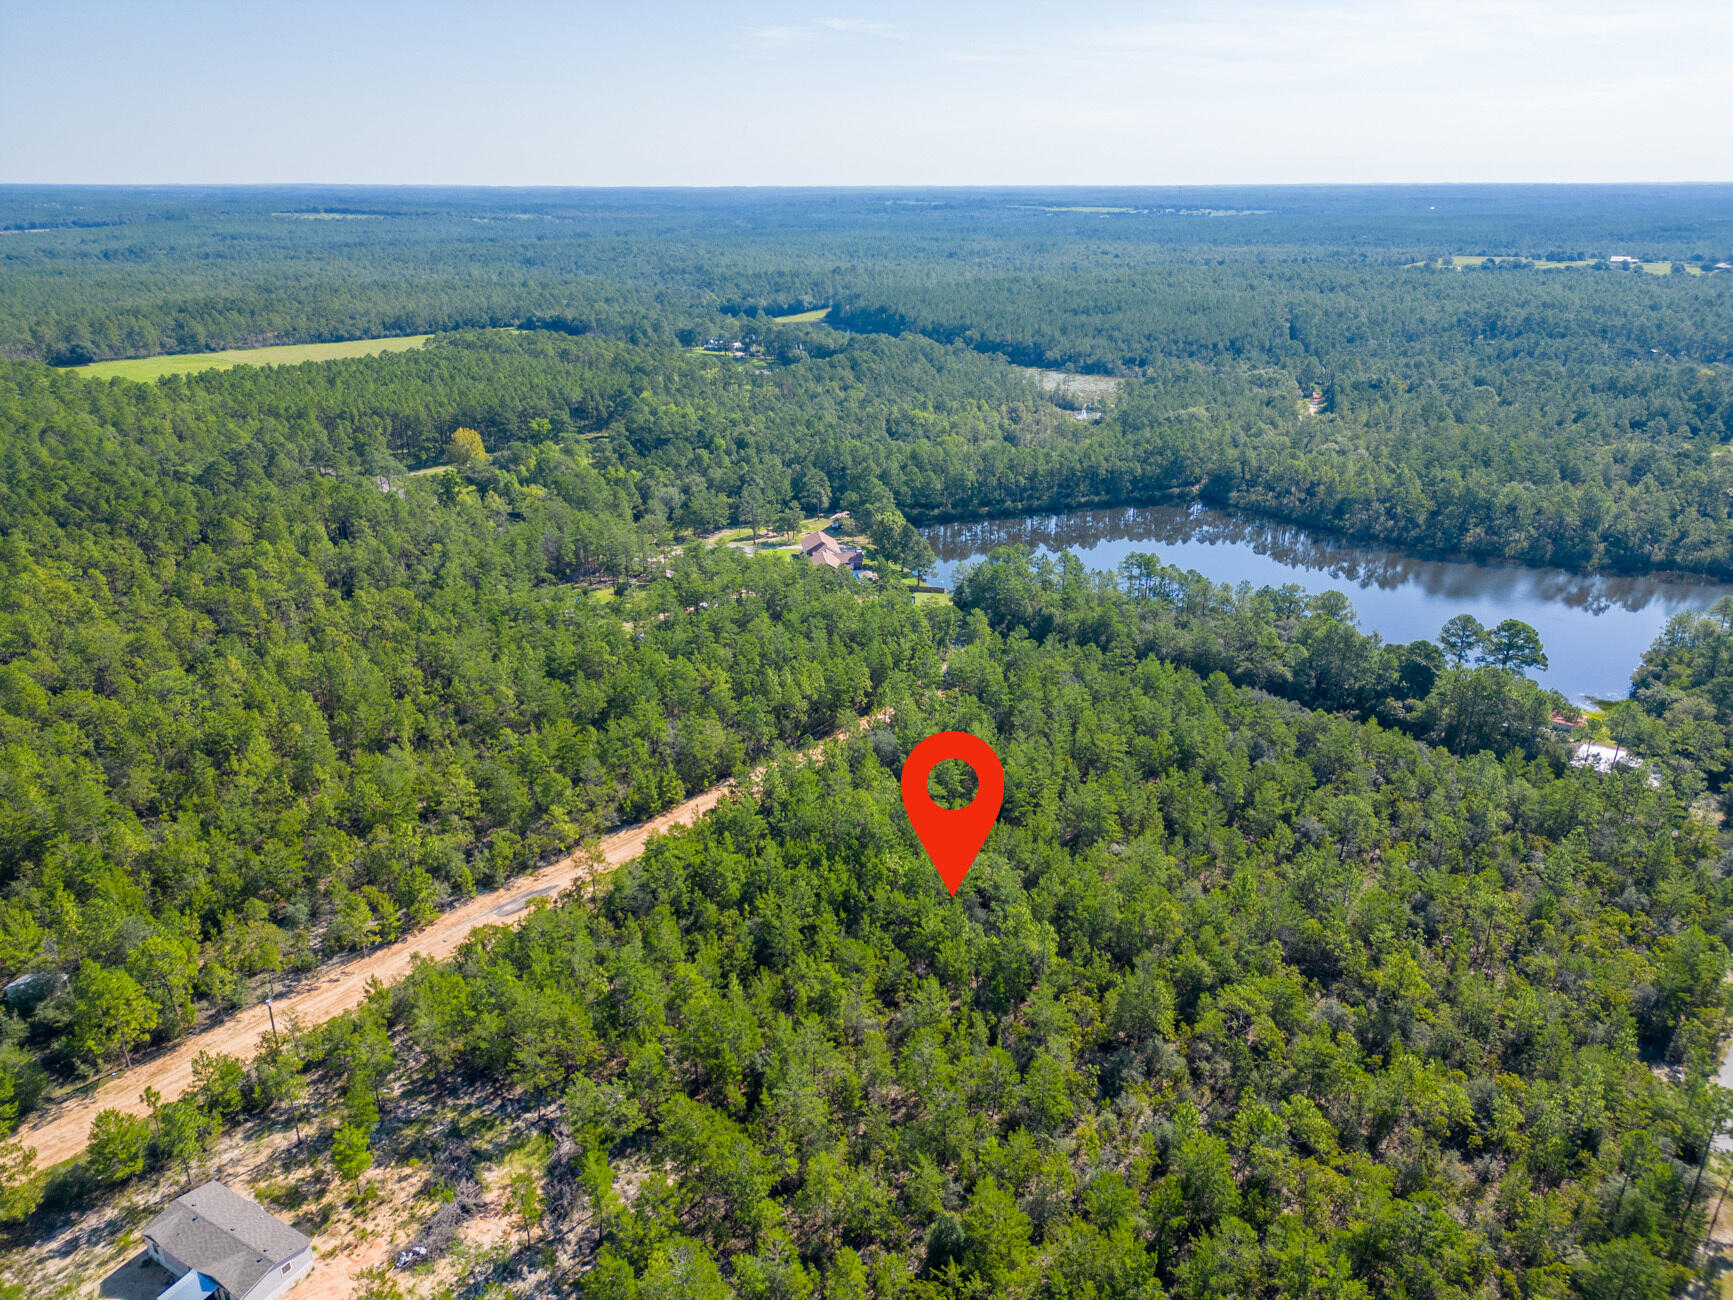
(1087, 388)
(145, 369)
(803, 317)
(1465, 260)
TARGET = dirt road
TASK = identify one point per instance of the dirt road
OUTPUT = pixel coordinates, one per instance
(60, 1132)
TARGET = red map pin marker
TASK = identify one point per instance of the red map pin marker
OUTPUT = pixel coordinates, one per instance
(953, 837)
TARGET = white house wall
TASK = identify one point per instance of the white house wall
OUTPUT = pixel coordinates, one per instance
(167, 1260)
(277, 1281)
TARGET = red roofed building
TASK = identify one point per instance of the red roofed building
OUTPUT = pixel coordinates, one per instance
(820, 549)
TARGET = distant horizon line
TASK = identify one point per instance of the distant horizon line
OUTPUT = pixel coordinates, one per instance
(867, 187)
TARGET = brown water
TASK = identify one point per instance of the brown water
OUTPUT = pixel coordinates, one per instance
(1594, 627)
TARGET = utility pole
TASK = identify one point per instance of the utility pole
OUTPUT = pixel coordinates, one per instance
(271, 1011)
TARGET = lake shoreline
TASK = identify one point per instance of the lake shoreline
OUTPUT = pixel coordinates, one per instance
(1595, 626)
(1188, 498)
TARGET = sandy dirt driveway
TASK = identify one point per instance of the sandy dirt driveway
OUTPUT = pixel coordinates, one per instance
(60, 1132)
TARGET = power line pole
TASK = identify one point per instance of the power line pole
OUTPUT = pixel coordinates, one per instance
(271, 1011)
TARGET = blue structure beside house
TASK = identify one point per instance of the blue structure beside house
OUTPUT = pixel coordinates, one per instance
(193, 1285)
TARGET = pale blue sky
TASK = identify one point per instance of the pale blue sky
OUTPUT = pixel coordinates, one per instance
(539, 93)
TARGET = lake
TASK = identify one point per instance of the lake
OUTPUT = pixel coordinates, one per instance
(1595, 627)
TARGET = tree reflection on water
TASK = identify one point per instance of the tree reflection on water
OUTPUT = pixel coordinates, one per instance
(1595, 626)
(1130, 528)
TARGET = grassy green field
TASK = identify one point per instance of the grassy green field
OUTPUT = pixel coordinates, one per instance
(804, 317)
(145, 369)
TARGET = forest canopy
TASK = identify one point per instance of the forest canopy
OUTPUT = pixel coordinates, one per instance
(1299, 962)
(1324, 356)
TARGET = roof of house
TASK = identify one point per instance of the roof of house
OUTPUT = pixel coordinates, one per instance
(225, 1236)
(827, 550)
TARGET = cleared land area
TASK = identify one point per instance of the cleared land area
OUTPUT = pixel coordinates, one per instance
(803, 317)
(1087, 388)
(1462, 260)
(145, 369)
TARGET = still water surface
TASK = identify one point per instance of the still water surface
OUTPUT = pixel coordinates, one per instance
(1594, 627)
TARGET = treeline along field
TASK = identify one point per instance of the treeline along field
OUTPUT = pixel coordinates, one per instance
(1568, 466)
(1572, 416)
(97, 272)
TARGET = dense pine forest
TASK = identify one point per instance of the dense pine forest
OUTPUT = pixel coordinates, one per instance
(1242, 999)
(1300, 963)
(1575, 415)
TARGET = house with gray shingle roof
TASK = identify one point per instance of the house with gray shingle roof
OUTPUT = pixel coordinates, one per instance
(221, 1245)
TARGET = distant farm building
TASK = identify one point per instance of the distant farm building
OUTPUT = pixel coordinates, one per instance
(221, 1245)
(1622, 258)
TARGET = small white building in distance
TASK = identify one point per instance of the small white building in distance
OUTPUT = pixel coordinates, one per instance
(1603, 758)
(1610, 758)
(221, 1246)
